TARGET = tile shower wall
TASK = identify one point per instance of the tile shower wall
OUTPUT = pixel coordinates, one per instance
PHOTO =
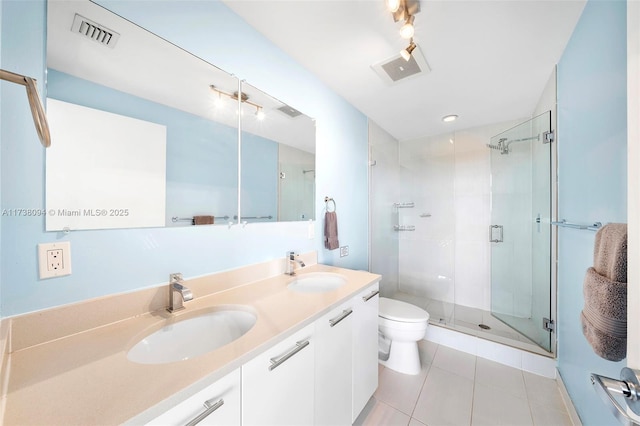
(426, 264)
(447, 257)
(384, 187)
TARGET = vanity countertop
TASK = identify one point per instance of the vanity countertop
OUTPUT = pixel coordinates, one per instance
(85, 378)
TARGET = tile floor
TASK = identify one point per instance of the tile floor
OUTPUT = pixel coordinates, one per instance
(456, 388)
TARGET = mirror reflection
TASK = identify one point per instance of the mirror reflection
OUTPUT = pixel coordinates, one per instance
(143, 135)
(277, 160)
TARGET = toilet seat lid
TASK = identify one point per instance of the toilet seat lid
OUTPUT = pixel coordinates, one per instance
(397, 310)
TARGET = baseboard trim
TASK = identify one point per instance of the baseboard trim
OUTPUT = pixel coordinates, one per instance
(571, 409)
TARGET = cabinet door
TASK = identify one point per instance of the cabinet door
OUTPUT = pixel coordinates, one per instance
(218, 404)
(277, 385)
(333, 335)
(365, 348)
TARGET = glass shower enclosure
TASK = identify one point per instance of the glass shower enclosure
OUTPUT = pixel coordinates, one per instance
(520, 230)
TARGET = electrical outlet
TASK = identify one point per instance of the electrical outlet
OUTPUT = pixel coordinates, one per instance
(344, 251)
(54, 259)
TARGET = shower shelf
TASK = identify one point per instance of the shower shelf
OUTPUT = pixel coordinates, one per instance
(404, 205)
(404, 228)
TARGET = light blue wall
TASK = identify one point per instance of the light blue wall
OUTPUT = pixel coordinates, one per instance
(592, 181)
(107, 262)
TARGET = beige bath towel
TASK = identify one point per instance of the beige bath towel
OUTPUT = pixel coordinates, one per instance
(331, 231)
(604, 345)
(610, 252)
(604, 316)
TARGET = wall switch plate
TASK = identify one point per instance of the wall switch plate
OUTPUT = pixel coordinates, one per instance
(54, 259)
(344, 251)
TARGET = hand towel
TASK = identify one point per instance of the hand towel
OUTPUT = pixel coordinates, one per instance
(604, 316)
(203, 220)
(610, 252)
(331, 231)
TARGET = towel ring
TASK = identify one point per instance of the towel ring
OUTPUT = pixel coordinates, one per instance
(326, 202)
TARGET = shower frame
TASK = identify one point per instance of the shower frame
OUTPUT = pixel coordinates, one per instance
(534, 318)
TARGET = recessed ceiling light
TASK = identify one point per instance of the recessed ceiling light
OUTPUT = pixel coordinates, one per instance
(449, 118)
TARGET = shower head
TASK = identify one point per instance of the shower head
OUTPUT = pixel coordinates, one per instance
(502, 146)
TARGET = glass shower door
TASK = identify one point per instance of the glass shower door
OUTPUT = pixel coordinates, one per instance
(520, 231)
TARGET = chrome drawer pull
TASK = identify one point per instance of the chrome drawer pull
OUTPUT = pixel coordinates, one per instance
(210, 408)
(333, 322)
(275, 362)
(370, 296)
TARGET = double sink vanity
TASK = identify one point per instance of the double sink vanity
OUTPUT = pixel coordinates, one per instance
(253, 346)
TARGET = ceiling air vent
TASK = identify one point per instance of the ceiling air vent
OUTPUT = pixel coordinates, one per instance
(396, 69)
(291, 112)
(95, 32)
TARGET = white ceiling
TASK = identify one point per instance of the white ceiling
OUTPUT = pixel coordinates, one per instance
(490, 60)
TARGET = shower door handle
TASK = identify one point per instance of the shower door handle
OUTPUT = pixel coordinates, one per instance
(491, 231)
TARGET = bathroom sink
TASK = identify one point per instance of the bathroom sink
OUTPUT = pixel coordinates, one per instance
(195, 335)
(317, 282)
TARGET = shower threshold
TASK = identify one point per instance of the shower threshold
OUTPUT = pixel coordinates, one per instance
(473, 321)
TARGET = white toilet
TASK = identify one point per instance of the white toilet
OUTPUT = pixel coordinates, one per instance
(403, 324)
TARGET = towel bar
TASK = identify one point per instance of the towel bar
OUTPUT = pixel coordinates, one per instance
(254, 217)
(326, 203)
(589, 227)
(190, 219)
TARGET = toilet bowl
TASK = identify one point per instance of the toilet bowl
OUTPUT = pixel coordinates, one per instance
(403, 325)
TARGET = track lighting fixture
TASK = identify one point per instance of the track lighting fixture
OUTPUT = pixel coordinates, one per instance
(407, 30)
(244, 98)
(405, 10)
(406, 53)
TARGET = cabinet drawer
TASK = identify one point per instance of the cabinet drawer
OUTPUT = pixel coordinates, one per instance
(217, 404)
(277, 386)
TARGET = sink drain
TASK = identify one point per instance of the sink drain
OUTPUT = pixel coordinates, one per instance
(484, 326)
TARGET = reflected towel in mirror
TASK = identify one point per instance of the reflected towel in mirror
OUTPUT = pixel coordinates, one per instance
(203, 220)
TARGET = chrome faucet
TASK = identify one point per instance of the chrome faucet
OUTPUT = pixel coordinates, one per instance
(291, 263)
(178, 293)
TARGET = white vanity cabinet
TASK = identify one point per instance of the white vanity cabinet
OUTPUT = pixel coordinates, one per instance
(277, 385)
(365, 347)
(333, 337)
(217, 404)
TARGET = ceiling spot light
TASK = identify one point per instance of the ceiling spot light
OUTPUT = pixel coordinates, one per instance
(407, 30)
(406, 53)
(219, 103)
(260, 113)
(449, 118)
(393, 5)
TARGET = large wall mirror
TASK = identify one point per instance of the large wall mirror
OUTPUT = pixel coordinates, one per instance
(278, 160)
(145, 134)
